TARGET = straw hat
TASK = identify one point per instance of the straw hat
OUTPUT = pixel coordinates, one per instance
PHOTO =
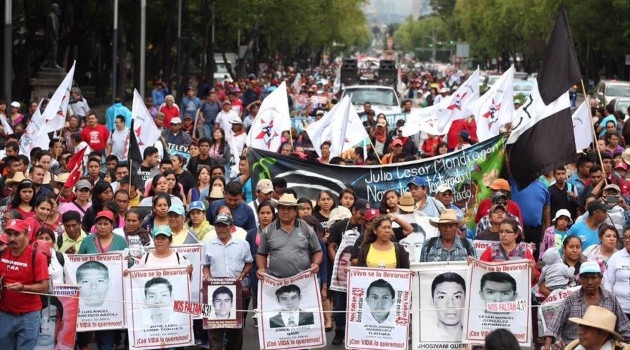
(216, 193)
(17, 178)
(600, 318)
(626, 155)
(448, 216)
(407, 202)
(337, 214)
(288, 200)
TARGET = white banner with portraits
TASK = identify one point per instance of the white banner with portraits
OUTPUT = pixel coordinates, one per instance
(500, 297)
(379, 301)
(224, 295)
(151, 320)
(422, 232)
(58, 322)
(193, 253)
(290, 313)
(339, 280)
(439, 293)
(548, 308)
(102, 290)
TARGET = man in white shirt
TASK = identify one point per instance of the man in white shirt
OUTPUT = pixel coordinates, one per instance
(117, 142)
(238, 137)
(224, 117)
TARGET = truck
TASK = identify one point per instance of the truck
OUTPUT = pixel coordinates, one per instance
(371, 80)
(221, 71)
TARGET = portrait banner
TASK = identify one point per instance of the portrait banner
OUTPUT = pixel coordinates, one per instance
(500, 297)
(100, 276)
(548, 308)
(58, 323)
(151, 320)
(192, 252)
(339, 279)
(379, 305)
(290, 313)
(469, 172)
(438, 294)
(224, 295)
(422, 232)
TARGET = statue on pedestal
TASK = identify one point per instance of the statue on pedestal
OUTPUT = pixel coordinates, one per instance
(52, 36)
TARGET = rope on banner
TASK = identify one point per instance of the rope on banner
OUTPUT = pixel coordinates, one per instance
(257, 311)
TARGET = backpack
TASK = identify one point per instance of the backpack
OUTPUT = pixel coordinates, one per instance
(43, 298)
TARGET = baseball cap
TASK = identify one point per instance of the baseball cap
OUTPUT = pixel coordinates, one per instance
(418, 181)
(265, 186)
(500, 185)
(362, 205)
(371, 214)
(17, 225)
(443, 188)
(162, 230)
(621, 165)
(590, 267)
(15, 104)
(83, 184)
(612, 187)
(105, 214)
(176, 120)
(497, 197)
(397, 142)
(196, 205)
(224, 219)
(497, 206)
(227, 102)
(236, 121)
(177, 209)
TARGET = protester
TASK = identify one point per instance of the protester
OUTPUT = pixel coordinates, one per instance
(576, 304)
(600, 253)
(555, 234)
(503, 186)
(448, 246)
(424, 203)
(197, 221)
(181, 233)
(501, 339)
(587, 229)
(617, 275)
(378, 250)
(597, 330)
(242, 214)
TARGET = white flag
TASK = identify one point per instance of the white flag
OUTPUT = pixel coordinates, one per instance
(147, 133)
(55, 113)
(273, 118)
(422, 120)
(457, 106)
(30, 139)
(582, 129)
(337, 83)
(496, 107)
(297, 82)
(8, 130)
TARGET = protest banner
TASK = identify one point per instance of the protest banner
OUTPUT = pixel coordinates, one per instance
(438, 296)
(481, 245)
(58, 323)
(178, 149)
(151, 320)
(102, 290)
(192, 252)
(548, 308)
(422, 232)
(339, 279)
(503, 300)
(290, 313)
(225, 296)
(379, 302)
(468, 172)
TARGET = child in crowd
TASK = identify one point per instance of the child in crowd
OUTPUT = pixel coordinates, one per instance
(554, 235)
(555, 273)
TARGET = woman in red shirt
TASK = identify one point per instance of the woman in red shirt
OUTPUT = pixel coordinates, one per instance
(170, 110)
(24, 200)
(510, 249)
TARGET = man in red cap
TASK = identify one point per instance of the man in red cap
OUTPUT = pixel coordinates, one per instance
(503, 186)
(23, 270)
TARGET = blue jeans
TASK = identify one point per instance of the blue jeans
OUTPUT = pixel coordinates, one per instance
(340, 305)
(207, 130)
(19, 332)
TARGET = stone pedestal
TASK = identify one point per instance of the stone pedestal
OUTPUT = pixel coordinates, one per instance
(45, 82)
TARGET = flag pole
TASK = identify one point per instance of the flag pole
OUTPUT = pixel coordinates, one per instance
(594, 133)
(130, 175)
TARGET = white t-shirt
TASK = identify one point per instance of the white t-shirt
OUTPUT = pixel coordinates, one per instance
(170, 261)
(223, 119)
(118, 141)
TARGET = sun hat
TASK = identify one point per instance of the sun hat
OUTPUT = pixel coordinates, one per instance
(406, 202)
(448, 216)
(287, 200)
(600, 318)
(337, 214)
(216, 193)
(562, 212)
(17, 178)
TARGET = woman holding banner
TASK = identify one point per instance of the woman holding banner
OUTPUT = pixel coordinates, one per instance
(378, 250)
(266, 215)
(509, 248)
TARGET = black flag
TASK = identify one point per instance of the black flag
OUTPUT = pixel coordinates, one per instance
(542, 136)
(134, 150)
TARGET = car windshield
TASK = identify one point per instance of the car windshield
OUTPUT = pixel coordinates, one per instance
(382, 97)
(618, 90)
(622, 106)
(523, 86)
